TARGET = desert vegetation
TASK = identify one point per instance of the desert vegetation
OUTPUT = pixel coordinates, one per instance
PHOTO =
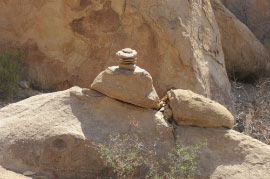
(252, 104)
(10, 72)
(129, 157)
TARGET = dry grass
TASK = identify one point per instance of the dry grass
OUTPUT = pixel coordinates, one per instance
(252, 105)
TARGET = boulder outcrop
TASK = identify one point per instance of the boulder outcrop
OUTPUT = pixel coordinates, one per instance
(228, 154)
(255, 14)
(53, 134)
(134, 87)
(68, 42)
(195, 110)
(245, 55)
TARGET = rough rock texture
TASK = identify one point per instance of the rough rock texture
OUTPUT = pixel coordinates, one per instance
(255, 14)
(53, 134)
(135, 87)
(195, 110)
(245, 55)
(228, 153)
(6, 174)
(68, 42)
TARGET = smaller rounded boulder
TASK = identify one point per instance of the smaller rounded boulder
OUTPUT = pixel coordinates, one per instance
(191, 109)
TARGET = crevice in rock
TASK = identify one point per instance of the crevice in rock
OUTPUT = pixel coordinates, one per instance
(166, 110)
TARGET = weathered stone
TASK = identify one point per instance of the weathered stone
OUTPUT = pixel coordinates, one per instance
(127, 59)
(6, 174)
(68, 42)
(255, 14)
(127, 66)
(127, 53)
(28, 173)
(134, 87)
(228, 154)
(53, 134)
(195, 110)
(245, 55)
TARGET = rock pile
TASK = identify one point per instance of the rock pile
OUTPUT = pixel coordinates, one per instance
(54, 134)
(57, 139)
(127, 58)
(92, 31)
(128, 82)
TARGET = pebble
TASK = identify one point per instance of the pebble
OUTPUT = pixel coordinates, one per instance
(28, 173)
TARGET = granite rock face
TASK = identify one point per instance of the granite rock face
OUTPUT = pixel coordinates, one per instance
(228, 154)
(195, 110)
(255, 14)
(134, 87)
(245, 55)
(54, 134)
(68, 42)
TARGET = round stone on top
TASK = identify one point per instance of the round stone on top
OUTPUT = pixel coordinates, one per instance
(127, 53)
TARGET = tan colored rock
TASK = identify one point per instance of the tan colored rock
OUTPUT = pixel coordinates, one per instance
(195, 110)
(255, 14)
(127, 53)
(68, 42)
(245, 55)
(127, 59)
(228, 154)
(134, 87)
(6, 174)
(53, 134)
(29, 173)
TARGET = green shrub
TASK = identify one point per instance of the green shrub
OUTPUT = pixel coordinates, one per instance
(182, 161)
(10, 72)
(126, 155)
(122, 154)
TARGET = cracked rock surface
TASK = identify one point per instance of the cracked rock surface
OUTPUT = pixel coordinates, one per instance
(53, 135)
(68, 42)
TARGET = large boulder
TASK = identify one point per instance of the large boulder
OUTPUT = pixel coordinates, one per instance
(134, 87)
(195, 110)
(245, 55)
(228, 153)
(53, 134)
(68, 42)
(255, 14)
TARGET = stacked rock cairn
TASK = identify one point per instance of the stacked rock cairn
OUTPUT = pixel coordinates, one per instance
(127, 58)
